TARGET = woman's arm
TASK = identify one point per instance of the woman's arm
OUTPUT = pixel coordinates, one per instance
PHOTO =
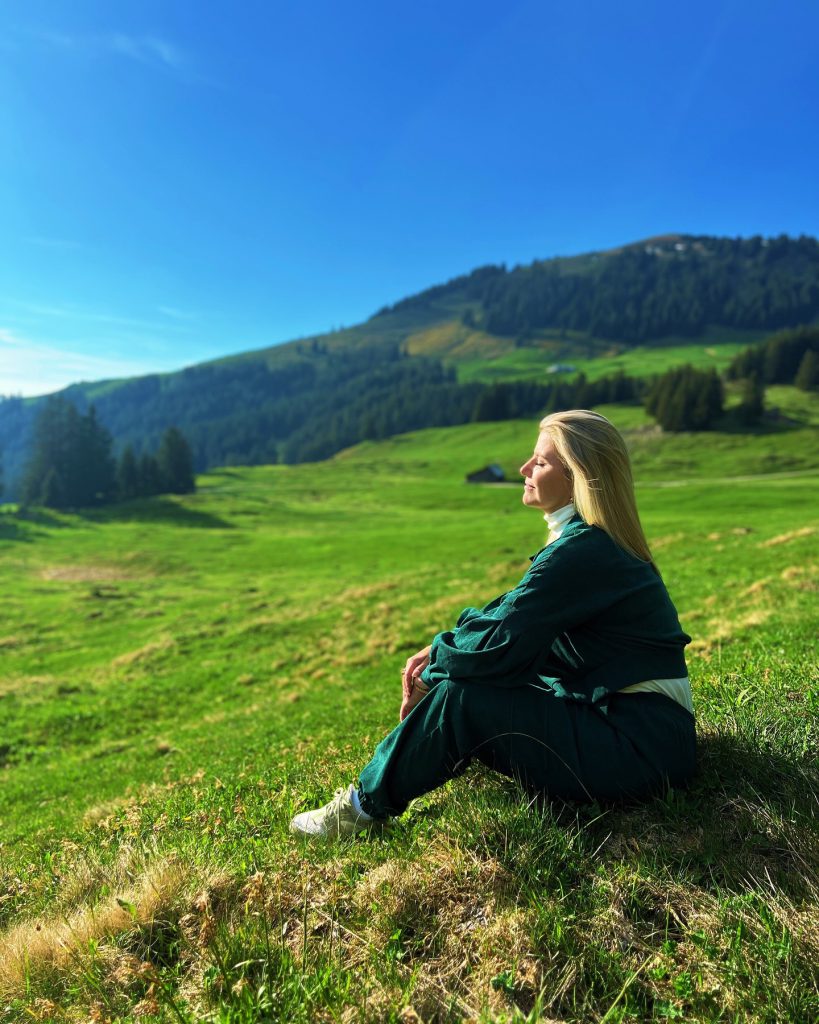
(568, 584)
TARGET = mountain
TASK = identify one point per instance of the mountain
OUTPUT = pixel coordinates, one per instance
(399, 369)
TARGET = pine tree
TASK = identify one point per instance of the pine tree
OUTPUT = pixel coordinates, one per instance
(127, 475)
(752, 406)
(148, 476)
(175, 462)
(491, 405)
(70, 465)
(807, 376)
(95, 471)
(52, 492)
(686, 399)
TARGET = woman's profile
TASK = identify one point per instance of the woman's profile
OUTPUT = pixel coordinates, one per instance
(574, 681)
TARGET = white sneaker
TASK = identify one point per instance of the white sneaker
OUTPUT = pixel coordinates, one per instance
(338, 818)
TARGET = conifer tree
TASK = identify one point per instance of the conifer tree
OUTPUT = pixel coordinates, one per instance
(128, 475)
(70, 465)
(149, 477)
(686, 399)
(807, 376)
(752, 406)
(95, 469)
(175, 462)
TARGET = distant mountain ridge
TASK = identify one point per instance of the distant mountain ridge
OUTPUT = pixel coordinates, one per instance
(397, 370)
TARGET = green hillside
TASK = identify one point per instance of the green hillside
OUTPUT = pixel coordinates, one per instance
(181, 675)
(422, 361)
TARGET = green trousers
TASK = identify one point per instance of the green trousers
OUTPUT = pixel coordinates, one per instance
(631, 746)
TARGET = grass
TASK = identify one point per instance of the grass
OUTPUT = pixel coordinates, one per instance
(596, 358)
(181, 675)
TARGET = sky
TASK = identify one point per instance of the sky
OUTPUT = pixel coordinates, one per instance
(183, 180)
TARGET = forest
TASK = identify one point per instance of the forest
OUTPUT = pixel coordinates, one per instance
(71, 463)
(645, 291)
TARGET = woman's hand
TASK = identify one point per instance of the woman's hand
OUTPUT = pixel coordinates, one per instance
(408, 703)
(413, 669)
(412, 687)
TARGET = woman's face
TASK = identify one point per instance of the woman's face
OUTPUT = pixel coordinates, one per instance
(547, 485)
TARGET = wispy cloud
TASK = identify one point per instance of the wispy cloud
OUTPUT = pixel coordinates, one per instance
(74, 314)
(176, 314)
(32, 368)
(145, 49)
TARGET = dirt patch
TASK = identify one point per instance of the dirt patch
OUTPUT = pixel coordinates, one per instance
(85, 573)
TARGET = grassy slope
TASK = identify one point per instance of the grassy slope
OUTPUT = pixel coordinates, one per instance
(487, 358)
(179, 676)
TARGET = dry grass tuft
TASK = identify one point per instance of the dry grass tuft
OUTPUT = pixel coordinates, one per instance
(756, 589)
(670, 538)
(45, 951)
(754, 618)
(785, 538)
(165, 643)
(458, 925)
(85, 573)
(358, 593)
(803, 577)
(101, 812)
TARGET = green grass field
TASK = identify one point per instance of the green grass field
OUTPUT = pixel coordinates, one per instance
(181, 675)
(597, 358)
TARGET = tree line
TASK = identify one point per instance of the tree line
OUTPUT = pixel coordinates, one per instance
(688, 399)
(435, 399)
(677, 286)
(313, 405)
(71, 464)
(787, 357)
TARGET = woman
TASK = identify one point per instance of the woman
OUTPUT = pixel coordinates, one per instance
(574, 681)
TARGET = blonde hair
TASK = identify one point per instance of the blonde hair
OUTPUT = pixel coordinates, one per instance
(595, 456)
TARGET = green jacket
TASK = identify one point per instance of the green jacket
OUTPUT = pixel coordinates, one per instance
(586, 620)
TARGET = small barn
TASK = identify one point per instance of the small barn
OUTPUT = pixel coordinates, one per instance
(491, 474)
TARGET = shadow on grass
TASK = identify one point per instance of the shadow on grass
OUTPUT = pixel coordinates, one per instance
(747, 823)
(773, 422)
(12, 531)
(748, 820)
(12, 528)
(157, 510)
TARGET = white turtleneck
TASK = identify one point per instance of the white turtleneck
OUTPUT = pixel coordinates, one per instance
(557, 520)
(677, 689)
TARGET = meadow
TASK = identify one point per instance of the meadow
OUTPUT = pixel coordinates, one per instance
(714, 351)
(181, 675)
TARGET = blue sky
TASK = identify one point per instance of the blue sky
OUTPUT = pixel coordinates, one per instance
(181, 180)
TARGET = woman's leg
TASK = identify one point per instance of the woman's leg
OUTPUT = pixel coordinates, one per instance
(567, 749)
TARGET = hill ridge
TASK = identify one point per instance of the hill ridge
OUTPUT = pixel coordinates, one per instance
(491, 323)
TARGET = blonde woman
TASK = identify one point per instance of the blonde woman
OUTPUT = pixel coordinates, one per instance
(574, 681)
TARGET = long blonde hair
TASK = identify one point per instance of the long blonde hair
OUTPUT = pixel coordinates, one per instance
(595, 455)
